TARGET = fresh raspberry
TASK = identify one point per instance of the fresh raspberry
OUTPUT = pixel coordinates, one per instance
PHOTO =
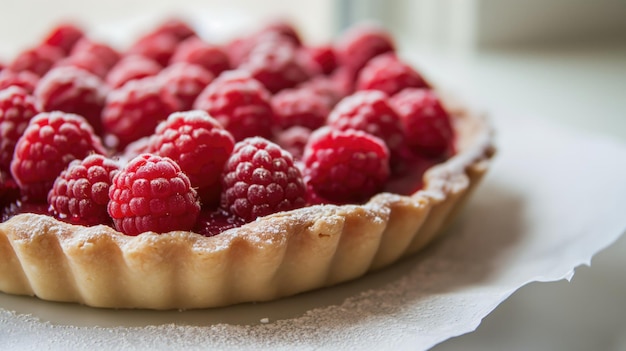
(17, 108)
(200, 146)
(25, 80)
(183, 82)
(135, 109)
(276, 64)
(345, 166)
(85, 61)
(103, 52)
(64, 36)
(195, 50)
(388, 74)
(260, 178)
(177, 27)
(293, 140)
(130, 68)
(370, 111)
(151, 193)
(426, 123)
(156, 46)
(360, 44)
(80, 194)
(299, 107)
(240, 103)
(324, 56)
(37, 60)
(327, 88)
(51, 141)
(284, 29)
(211, 223)
(72, 90)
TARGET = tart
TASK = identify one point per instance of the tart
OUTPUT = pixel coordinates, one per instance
(313, 239)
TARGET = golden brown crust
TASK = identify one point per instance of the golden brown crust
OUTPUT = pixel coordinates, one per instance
(278, 255)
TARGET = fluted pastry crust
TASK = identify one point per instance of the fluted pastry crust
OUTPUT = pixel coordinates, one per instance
(278, 255)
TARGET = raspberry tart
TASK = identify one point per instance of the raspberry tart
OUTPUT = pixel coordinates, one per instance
(156, 178)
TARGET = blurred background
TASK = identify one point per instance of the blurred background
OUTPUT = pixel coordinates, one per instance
(559, 60)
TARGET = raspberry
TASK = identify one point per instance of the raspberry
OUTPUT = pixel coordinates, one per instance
(72, 90)
(293, 140)
(360, 44)
(259, 179)
(104, 53)
(51, 141)
(130, 68)
(183, 82)
(240, 103)
(388, 74)
(324, 56)
(327, 88)
(151, 193)
(284, 29)
(370, 111)
(345, 166)
(200, 146)
(156, 46)
(80, 194)
(64, 36)
(85, 61)
(135, 109)
(37, 60)
(276, 64)
(215, 222)
(16, 110)
(195, 50)
(25, 80)
(426, 123)
(177, 27)
(299, 107)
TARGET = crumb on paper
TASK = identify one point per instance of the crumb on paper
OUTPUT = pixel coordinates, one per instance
(265, 320)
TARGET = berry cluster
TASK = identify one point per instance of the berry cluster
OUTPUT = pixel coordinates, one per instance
(176, 133)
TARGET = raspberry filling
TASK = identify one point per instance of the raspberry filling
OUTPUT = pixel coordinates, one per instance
(203, 137)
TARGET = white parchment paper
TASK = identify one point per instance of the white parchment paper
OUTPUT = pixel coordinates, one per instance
(553, 199)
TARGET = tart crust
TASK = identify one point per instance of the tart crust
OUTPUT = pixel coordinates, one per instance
(276, 256)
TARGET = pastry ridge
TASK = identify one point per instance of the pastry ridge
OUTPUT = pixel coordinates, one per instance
(275, 256)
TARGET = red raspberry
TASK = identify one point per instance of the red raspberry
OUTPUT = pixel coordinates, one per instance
(324, 56)
(80, 194)
(156, 46)
(238, 50)
(135, 109)
(37, 60)
(130, 68)
(177, 27)
(63, 36)
(370, 111)
(104, 53)
(151, 193)
(85, 61)
(299, 107)
(326, 87)
(216, 222)
(183, 82)
(51, 141)
(240, 103)
(16, 110)
(260, 178)
(426, 123)
(25, 80)
(276, 64)
(293, 140)
(72, 90)
(200, 146)
(195, 50)
(345, 166)
(388, 74)
(360, 44)
(284, 29)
